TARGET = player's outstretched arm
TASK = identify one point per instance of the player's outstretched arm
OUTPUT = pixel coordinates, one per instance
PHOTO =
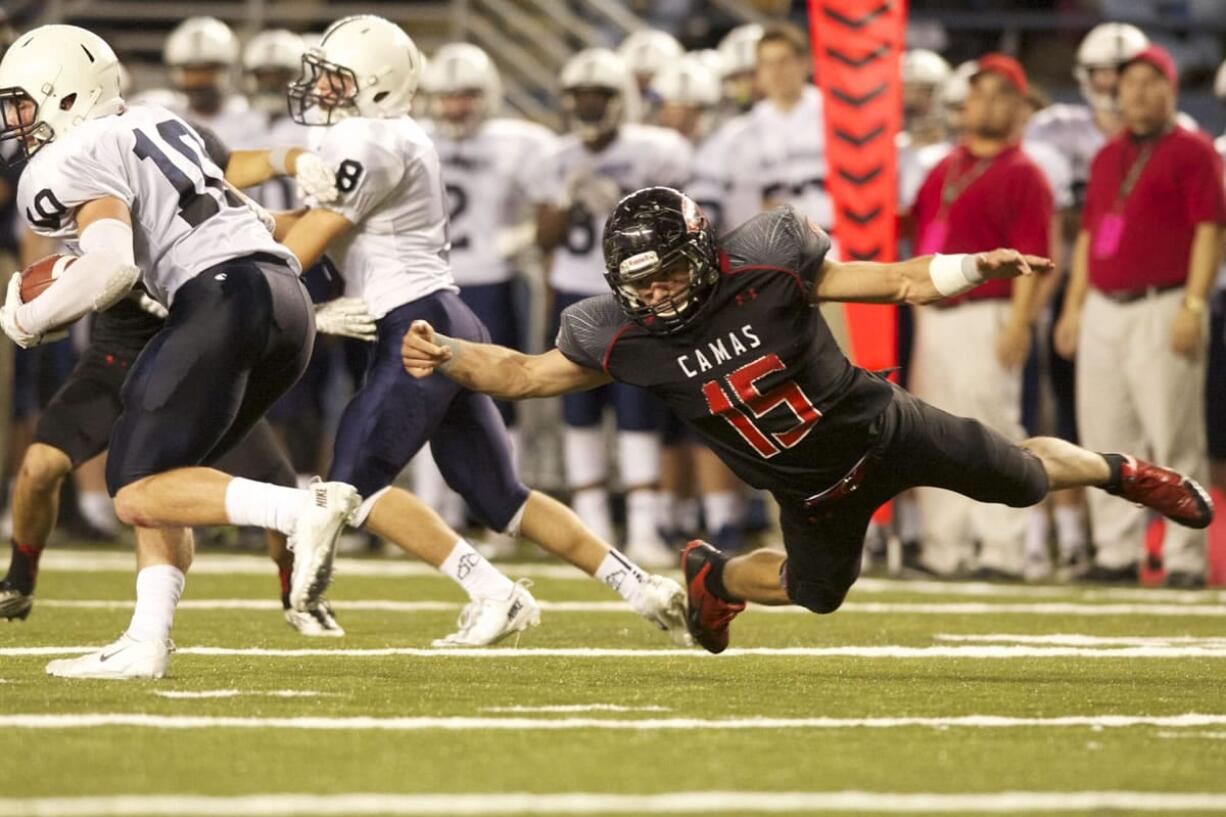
(310, 235)
(921, 280)
(247, 168)
(494, 370)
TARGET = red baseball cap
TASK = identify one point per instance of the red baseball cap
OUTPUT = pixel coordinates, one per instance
(1159, 58)
(1006, 67)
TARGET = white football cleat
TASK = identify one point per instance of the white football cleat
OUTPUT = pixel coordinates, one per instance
(125, 659)
(315, 622)
(662, 602)
(484, 622)
(318, 526)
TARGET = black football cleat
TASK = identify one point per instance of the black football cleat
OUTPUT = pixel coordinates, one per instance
(13, 603)
(706, 616)
(1180, 499)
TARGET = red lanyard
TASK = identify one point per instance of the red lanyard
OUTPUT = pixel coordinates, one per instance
(1133, 174)
(952, 186)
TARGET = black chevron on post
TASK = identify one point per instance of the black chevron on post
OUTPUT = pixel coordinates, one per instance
(865, 255)
(861, 140)
(861, 100)
(858, 62)
(862, 20)
(862, 218)
(859, 179)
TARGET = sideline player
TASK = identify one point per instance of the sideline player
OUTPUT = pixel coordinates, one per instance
(729, 337)
(134, 192)
(390, 234)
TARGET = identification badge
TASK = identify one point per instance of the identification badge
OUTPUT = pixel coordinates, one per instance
(1107, 236)
(933, 239)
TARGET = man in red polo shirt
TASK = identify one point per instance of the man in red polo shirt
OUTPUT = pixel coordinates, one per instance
(1135, 312)
(969, 351)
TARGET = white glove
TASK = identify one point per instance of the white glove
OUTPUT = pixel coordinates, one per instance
(315, 179)
(151, 306)
(346, 317)
(8, 318)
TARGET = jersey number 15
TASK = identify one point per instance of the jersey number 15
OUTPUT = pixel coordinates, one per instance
(754, 405)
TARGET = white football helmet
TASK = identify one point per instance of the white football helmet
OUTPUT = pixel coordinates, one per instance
(271, 60)
(54, 78)
(923, 67)
(1108, 45)
(648, 50)
(739, 50)
(598, 69)
(924, 74)
(364, 66)
(1219, 83)
(686, 93)
(202, 53)
(954, 93)
(458, 68)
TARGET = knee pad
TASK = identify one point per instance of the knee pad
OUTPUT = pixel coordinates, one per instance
(1034, 484)
(816, 596)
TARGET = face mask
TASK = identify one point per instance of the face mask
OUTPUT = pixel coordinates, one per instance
(206, 100)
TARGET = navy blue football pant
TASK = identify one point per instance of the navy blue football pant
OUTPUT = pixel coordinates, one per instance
(393, 415)
(494, 305)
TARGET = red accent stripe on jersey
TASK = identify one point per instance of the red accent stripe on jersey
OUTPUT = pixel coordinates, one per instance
(608, 352)
(724, 263)
(752, 267)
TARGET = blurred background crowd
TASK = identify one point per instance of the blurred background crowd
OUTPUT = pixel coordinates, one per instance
(1080, 130)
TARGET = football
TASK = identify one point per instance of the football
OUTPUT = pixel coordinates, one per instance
(38, 276)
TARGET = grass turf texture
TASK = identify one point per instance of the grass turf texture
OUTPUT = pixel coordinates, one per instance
(955, 759)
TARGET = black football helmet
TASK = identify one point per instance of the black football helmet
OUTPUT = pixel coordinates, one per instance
(651, 232)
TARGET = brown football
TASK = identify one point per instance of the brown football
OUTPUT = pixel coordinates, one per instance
(39, 275)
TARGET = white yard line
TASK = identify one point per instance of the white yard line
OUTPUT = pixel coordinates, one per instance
(1201, 735)
(85, 720)
(887, 608)
(576, 708)
(1002, 651)
(705, 802)
(234, 693)
(1079, 640)
(91, 561)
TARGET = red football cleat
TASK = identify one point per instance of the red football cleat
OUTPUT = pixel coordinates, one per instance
(706, 616)
(1178, 498)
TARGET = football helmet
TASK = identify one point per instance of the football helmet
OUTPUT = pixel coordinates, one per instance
(602, 71)
(648, 50)
(270, 63)
(685, 94)
(660, 235)
(1219, 83)
(1107, 46)
(364, 66)
(202, 53)
(738, 52)
(924, 73)
(461, 69)
(53, 79)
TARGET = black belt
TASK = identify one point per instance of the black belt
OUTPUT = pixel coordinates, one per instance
(1127, 296)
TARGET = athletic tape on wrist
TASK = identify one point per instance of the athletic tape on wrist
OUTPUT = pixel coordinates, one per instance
(954, 274)
(278, 158)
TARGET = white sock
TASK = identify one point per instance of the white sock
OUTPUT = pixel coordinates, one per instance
(262, 505)
(592, 507)
(722, 509)
(469, 569)
(1070, 529)
(688, 518)
(907, 513)
(642, 515)
(97, 509)
(621, 574)
(1037, 529)
(157, 594)
(670, 501)
(430, 487)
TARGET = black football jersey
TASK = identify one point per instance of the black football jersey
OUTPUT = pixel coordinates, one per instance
(759, 374)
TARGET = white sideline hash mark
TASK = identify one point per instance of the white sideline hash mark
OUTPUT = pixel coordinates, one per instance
(889, 608)
(577, 708)
(1080, 640)
(692, 802)
(989, 651)
(86, 720)
(234, 693)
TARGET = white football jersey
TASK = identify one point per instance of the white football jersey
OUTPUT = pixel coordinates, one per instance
(729, 199)
(640, 156)
(391, 189)
(489, 178)
(236, 124)
(280, 192)
(915, 162)
(183, 220)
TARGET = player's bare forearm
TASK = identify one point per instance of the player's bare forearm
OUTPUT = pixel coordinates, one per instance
(1203, 261)
(550, 227)
(286, 219)
(247, 168)
(912, 281)
(494, 370)
(310, 235)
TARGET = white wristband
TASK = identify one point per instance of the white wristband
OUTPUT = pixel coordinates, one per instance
(278, 158)
(954, 274)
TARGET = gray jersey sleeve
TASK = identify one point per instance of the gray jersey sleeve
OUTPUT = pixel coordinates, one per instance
(587, 328)
(785, 238)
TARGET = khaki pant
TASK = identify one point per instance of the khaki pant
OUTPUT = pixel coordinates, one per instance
(1136, 396)
(954, 367)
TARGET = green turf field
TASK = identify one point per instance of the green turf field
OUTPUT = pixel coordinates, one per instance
(916, 697)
